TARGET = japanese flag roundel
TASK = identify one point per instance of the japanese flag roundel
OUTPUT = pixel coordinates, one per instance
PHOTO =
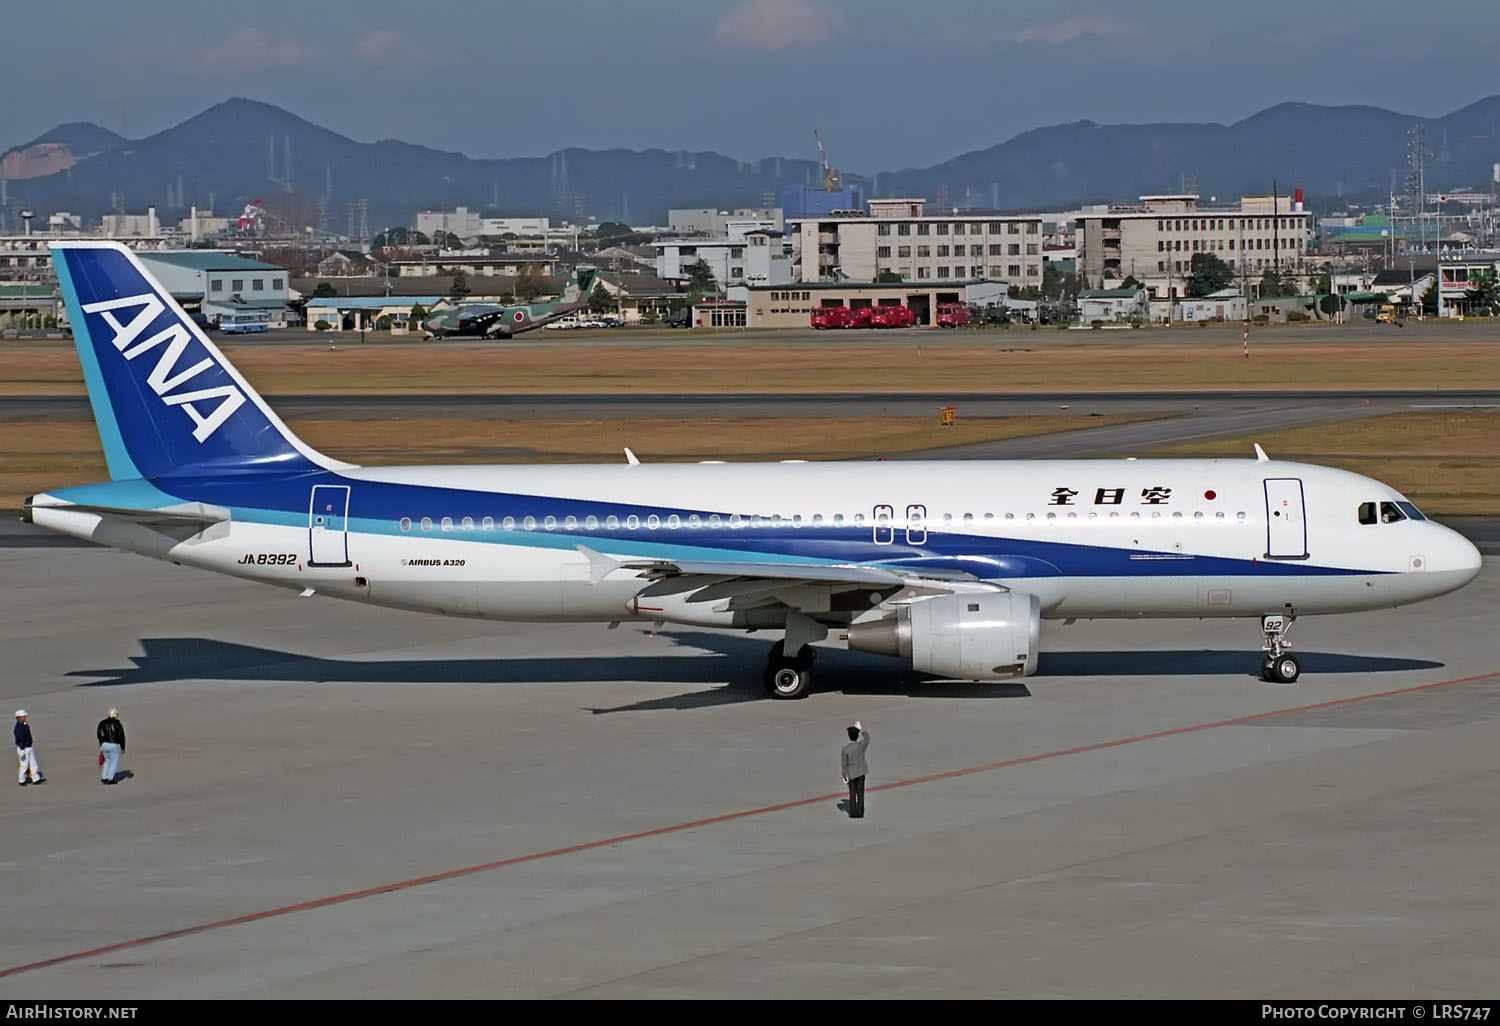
(519, 316)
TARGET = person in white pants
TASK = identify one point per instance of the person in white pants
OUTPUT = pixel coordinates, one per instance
(111, 735)
(25, 752)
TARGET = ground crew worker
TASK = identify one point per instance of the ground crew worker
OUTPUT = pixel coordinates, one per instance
(852, 764)
(25, 753)
(111, 735)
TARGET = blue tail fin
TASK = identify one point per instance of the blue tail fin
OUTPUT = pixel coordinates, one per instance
(164, 398)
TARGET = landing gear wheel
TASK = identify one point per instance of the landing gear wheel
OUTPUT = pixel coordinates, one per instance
(788, 681)
(788, 678)
(1284, 670)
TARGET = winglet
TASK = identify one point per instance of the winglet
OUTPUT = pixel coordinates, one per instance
(1260, 454)
(600, 565)
(630, 457)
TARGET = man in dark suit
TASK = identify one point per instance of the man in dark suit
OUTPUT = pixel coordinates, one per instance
(852, 765)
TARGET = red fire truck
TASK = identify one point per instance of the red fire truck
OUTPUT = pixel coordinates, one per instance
(893, 317)
(830, 317)
(952, 315)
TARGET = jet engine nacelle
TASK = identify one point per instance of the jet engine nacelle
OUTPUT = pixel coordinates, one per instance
(989, 636)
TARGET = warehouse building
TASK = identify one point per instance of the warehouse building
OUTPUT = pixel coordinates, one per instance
(468, 224)
(370, 313)
(222, 284)
(782, 306)
(712, 221)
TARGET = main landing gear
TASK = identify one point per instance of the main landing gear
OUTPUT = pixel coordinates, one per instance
(788, 677)
(1279, 666)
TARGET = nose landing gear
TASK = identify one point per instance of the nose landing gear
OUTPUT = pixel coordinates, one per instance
(1279, 666)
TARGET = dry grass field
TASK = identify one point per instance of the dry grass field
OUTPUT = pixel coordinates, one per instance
(1448, 463)
(1444, 462)
(36, 455)
(811, 367)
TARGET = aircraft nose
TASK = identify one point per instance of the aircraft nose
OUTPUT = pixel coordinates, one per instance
(1468, 559)
(1456, 556)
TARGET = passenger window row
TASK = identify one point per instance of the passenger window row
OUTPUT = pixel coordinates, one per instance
(714, 521)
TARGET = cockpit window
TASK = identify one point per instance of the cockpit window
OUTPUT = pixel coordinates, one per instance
(1389, 513)
(1410, 510)
(1367, 513)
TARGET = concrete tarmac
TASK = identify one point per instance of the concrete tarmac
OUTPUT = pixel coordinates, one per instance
(329, 800)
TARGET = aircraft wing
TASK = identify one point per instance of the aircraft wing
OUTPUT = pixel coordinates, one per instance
(796, 586)
(480, 314)
(853, 575)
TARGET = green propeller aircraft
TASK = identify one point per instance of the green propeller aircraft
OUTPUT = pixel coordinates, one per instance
(487, 320)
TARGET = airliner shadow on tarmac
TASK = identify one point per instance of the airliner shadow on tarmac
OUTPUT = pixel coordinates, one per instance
(179, 659)
(715, 655)
(1176, 663)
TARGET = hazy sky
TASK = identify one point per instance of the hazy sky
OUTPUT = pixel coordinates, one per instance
(890, 83)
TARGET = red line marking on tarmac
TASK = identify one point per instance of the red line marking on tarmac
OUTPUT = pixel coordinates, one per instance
(454, 874)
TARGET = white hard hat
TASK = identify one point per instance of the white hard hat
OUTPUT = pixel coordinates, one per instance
(20, 713)
(114, 714)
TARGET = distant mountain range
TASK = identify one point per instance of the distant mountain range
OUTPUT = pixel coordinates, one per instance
(242, 150)
(1328, 151)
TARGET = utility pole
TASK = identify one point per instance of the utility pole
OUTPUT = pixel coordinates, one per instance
(1411, 270)
(1438, 248)
(1244, 285)
(1169, 292)
(1275, 237)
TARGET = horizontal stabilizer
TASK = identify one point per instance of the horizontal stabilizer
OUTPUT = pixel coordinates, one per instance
(187, 513)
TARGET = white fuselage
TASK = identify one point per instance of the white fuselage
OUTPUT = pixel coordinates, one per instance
(1090, 538)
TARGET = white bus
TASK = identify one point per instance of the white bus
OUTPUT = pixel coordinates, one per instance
(240, 323)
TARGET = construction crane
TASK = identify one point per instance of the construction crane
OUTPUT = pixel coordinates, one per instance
(829, 175)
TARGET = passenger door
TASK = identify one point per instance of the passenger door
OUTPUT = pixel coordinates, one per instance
(1286, 521)
(328, 526)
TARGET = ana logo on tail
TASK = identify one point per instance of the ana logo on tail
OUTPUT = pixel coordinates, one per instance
(165, 378)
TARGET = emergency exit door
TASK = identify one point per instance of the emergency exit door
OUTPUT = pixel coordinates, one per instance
(328, 526)
(1286, 521)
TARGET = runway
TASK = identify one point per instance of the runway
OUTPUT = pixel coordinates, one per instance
(1361, 331)
(21, 408)
(332, 801)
